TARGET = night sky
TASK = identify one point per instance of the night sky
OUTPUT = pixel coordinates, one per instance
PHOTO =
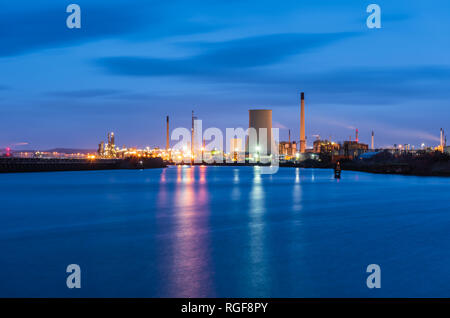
(134, 62)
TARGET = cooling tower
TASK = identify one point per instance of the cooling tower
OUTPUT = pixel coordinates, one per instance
(260, 118)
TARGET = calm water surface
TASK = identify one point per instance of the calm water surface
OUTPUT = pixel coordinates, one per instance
(224, 232)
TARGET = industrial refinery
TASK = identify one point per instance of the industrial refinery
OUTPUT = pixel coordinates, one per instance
(257, 145)
(266, 146)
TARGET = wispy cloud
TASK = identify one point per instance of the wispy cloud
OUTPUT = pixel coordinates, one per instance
(26, 30)
(86, 93)
(380, 85)
(279, 125)
(223, 57)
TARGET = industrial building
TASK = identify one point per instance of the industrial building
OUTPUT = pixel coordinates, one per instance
(325, 146)
(353, 149)
(108, 150)
(236, 149)
(287, 148)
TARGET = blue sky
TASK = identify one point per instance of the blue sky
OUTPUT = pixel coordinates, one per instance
(134, 62)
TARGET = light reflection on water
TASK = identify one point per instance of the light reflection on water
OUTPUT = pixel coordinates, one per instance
(224, 231)
(191, 246)
(297, 192)
(236, 189)
(257, 227)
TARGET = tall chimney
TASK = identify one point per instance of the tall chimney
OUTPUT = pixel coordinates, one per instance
(302, 124)
(289, 137)
(442, 138)
(167, 133)
(373, 144)
(357, 137)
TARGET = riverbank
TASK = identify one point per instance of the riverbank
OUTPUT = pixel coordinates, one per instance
(426, 164)
(418, 164)
(430, 164)
(12, 165)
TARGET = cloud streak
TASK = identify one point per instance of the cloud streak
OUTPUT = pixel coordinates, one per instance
(223, 57)
(27, 31)
(86, 93)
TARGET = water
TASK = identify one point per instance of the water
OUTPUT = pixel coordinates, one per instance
(223, 232)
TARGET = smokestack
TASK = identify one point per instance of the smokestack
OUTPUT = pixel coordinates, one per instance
(442, 138)
(302, 123)
(289, 136)
(167, 133)
(357, 137)
(373, 144)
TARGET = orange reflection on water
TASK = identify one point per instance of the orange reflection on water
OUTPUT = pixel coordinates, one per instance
(202, 170)
(179, 177)
(191, 247)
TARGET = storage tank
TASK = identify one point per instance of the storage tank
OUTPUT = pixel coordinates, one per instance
(260, 118)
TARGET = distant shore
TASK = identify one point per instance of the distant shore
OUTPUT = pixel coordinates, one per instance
(13, 165)
(400, 169)
(426, 164)
(422, 164)
(434, 164)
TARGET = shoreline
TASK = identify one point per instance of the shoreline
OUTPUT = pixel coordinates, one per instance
(389, 169)
(442, 175)
(23, 165)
